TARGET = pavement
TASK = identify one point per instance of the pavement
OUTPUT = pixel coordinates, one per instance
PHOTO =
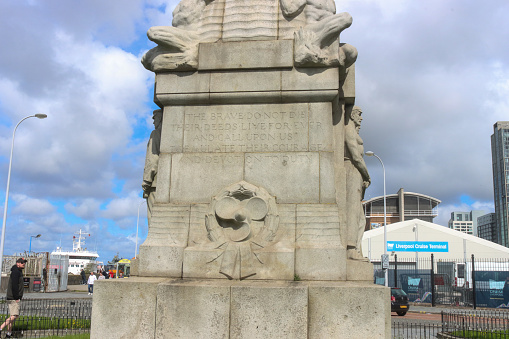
(73, 292)
(428, 309)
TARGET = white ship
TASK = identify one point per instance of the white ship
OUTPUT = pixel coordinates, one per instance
(79, 257)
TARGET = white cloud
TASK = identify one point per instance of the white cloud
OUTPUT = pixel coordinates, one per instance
(125, 207)
(84, 209)
(31, 206)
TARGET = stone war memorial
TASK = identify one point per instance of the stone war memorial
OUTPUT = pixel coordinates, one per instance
(254, 178)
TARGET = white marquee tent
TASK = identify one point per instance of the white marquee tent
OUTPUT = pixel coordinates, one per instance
(460, 245)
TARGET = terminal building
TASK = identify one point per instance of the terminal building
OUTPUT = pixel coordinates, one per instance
(459, 245)
(401, 206)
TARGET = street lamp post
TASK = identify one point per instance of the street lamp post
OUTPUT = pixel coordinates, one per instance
(32, 236)
(416, 230)
(371, 154)
(39, 116)
(137, 224)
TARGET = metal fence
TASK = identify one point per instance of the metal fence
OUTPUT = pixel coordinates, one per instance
(48, 272)
(476, 282)
(457, 324)
(45, 317)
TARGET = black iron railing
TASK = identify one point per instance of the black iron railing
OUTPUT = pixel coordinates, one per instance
(491, 324)
(468, 282)
(45, 317)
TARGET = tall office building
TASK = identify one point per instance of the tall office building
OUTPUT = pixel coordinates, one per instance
(487, 227)
(465, 222)
(500, 161)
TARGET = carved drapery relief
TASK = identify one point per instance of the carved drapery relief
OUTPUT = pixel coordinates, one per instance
(241, 219)
(315, 24)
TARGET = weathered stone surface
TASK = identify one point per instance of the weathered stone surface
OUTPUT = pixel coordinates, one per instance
(277, 310)
(160, 261)
(246, 81)
(198, 176)
(348, 310)
(327, 191)
(124, 308)
(182, 82)
(359, 271)
(162, 252)
(320, 127)
(292, 176)
(165, 308)
(320, 263)
(246, 55)
(193, 310)
(263, 85)
(317, 224)
(347, 85)
(310, 79)
(173, 131)
(163, 182)
(319, 254)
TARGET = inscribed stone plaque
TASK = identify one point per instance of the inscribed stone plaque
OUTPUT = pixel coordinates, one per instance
(320, 126)
(245, 128)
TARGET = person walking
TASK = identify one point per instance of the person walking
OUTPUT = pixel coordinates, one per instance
(14, 295)
(83, 277)
(90, 282)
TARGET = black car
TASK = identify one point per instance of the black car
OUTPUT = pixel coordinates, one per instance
(399, 301)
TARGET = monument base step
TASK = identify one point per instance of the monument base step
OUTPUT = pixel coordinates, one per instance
(175, 308)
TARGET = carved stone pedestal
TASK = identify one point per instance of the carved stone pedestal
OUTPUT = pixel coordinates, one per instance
(252, 193)
(162, 308)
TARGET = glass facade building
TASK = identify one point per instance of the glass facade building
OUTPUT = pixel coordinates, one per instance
(500, 162)
(487, 227)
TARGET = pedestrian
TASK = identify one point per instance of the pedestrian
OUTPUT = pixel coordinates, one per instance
(14, 295)
(83, 277)
(90, 282)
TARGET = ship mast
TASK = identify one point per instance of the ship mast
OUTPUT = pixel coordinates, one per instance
(79, 242)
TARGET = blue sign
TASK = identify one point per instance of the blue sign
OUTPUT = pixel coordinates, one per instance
(418, 246)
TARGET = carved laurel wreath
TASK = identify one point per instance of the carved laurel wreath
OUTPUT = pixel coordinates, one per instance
(241, 219)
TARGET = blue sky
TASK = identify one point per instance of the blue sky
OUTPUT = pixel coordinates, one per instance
(432, 79)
